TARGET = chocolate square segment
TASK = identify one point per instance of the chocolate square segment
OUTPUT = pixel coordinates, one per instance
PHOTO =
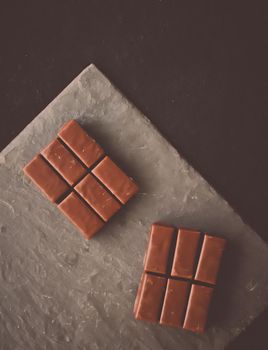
(159, 248)
(150, 298)
(122, 186)
(63, 161)
(185, 253)
(81, 215)
(48, 181)
(197, 310)
(84, 146)
(175, 303)
(210, 258)
(97, 197)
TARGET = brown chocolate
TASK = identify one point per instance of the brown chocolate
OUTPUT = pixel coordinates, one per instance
(84, 146)
(48, 181)
(210, 258)
(97, 197)
(179, 309)
(122, 186)
(81, 215)
(66, 158)
(63, 161)
(159, 247)
(175, 302)
(150, 298)
(138, 296)
(197, 309)
(185, 253)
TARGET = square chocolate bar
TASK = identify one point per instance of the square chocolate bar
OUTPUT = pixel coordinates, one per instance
(180, 272)
(74, 172)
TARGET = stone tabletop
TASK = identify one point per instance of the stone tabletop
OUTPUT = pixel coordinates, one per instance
(59, 291)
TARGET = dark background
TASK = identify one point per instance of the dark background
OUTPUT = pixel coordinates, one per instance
(198, 71)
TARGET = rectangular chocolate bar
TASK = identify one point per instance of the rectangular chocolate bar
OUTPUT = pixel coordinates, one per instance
(175, 303)
(71, 172)
(210, 258)
(197, 309)
(179, 308)
(150, 298)
(185, 253)
(159, 247)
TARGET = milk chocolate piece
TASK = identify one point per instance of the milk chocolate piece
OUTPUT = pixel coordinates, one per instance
(185, 253)
(67, 158)
(179, 309)
(48, 181)
(97, 197)
(122, 186)
(137, 300)
(84, 146)
(197, 309)
(210, 258)
(150, 298)
(81, 215)
(159, 247)
(175, 302)
(63, 161)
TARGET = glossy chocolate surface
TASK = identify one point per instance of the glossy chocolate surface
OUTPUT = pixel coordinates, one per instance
(48, 181)
(63, 161)
(69, 158)
(97, 197)
(150, 298)
(159, 247)
(122, 186)
(181, 249)
(210, 258)
(185, 253)
(197, 309)
(175, 303)
(81, 215)
(84, 146)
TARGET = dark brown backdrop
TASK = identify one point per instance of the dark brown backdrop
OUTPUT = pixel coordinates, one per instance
(198, 71)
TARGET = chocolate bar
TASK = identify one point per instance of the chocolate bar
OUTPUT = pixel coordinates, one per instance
(180, 272)
(87, 186)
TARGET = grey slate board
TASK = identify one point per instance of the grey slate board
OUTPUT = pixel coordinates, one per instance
(58, 291)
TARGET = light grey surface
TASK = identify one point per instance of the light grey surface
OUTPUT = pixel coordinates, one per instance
(58, 291)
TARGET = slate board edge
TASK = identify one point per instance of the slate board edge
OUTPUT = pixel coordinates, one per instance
(4, 155)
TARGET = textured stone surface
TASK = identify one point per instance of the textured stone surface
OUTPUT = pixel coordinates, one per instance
(59, 291)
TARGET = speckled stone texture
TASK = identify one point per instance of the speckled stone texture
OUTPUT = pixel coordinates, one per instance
(59, 291)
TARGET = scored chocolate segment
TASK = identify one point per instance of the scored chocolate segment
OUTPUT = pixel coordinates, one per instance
(81, 215)
(48, 181)
(159, 247)
(122, 186)
(175, 302)
(97, 197)
(210, 258)
(197, 309)
(185, 253)
(63, 161)
(84, 146)
(150, 297)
